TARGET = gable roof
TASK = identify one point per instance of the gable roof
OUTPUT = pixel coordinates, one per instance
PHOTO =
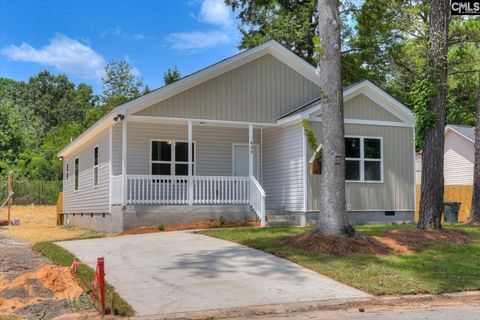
(466, 132)
(271, 47)
(365, 87)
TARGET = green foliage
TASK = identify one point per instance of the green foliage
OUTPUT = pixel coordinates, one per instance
(422, 92)
(161, 227)
(171, 75)
(120, 84)
(221, 220)
(311, 140)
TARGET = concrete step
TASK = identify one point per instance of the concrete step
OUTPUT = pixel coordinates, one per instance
(277, 223)
(280, 217)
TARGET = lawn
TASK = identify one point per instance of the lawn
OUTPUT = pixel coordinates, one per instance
(39, 223)
(443, 267)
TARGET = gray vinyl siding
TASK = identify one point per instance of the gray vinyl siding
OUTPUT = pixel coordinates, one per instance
(259, 91)
(213, 149)
(396, 192)
(283, 165)
(362, 107)
(88, 199)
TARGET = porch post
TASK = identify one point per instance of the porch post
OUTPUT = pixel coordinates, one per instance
(251, 150)
(124, 161)
(190, 160)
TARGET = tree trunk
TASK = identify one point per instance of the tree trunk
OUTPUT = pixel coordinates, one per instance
(332, 216)
(431, 201)
(475, 213)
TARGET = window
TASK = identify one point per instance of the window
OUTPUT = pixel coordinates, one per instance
(77, 169)
(95, 166)
(363, 159)
(171, 158)
(67, 173)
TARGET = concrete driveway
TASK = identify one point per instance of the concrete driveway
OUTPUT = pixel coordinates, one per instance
(169, 272)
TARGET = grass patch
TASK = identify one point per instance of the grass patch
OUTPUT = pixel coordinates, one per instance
(442, 267)
(86, 275)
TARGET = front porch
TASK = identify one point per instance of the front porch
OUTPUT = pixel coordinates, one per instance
(170, 162)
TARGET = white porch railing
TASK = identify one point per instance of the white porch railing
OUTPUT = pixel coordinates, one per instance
(220, 190)
(208, 190)
(257, 199)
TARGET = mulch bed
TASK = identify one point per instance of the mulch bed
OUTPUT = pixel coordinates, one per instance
(205, 224)
(393, 242)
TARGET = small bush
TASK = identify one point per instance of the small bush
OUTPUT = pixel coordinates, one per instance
(161, 227)
(221, 220)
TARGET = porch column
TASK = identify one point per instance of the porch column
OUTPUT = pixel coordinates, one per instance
(124, 161)
(251, 150)
(190, 160)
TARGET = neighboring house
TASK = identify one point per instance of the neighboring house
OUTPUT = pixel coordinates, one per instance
(458, 165)
(228, 140)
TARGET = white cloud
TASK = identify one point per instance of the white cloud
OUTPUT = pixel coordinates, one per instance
(66, 54)
(139, 36)
(196, 40)
(215, 12)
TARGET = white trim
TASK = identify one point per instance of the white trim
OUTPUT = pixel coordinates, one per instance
(227, 123)
(448, 127)
(385, 100)
(233, 156)
(96, 166)
(172, 161)
(376, 123)
(124, 162)
(414, 173)
(362, 160)
(110, 167)
(271, 47)
(261, 156)
(305, 170)
(189, 162)
(251, 151)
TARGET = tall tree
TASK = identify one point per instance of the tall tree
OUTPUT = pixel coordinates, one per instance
(332, 216)
(120, 84)
(475, 213)
(432, 189)
(171, 75)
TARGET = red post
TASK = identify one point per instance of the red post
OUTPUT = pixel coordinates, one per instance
(101, 281)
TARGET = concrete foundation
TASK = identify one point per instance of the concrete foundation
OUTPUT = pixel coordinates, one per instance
(369, 217)
(123, 218)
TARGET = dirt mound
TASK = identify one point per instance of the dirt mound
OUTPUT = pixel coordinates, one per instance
(47, 282)
(205, 224)
(394, 241)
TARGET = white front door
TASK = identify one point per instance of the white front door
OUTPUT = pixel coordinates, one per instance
(240, 160)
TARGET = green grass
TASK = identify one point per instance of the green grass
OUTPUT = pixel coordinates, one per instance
(443, 267)
(64, 258)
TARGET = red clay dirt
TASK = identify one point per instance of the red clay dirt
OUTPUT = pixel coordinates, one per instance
(393, 242)
(205, 224)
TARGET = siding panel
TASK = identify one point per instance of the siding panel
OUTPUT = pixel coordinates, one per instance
(259, 91)
(88, 199)
(283, 167)
(362, 107)
(459, 159)
(397, 190)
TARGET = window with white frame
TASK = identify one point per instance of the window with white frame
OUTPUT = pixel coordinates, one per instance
(364, 159)
(95, 166)
(77, 171)
(171, 158)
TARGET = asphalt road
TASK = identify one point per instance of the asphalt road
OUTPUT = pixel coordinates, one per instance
(447, 313)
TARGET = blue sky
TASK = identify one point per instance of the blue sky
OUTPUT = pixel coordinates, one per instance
(78, 37)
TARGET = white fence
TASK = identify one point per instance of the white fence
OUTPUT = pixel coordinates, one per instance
(174, 190)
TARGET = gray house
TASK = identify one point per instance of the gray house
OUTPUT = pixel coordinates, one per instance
(228, 140)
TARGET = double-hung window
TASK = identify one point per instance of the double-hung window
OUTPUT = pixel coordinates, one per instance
(95, 166)
(77, 171)
(364, 159)
(171, 158)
